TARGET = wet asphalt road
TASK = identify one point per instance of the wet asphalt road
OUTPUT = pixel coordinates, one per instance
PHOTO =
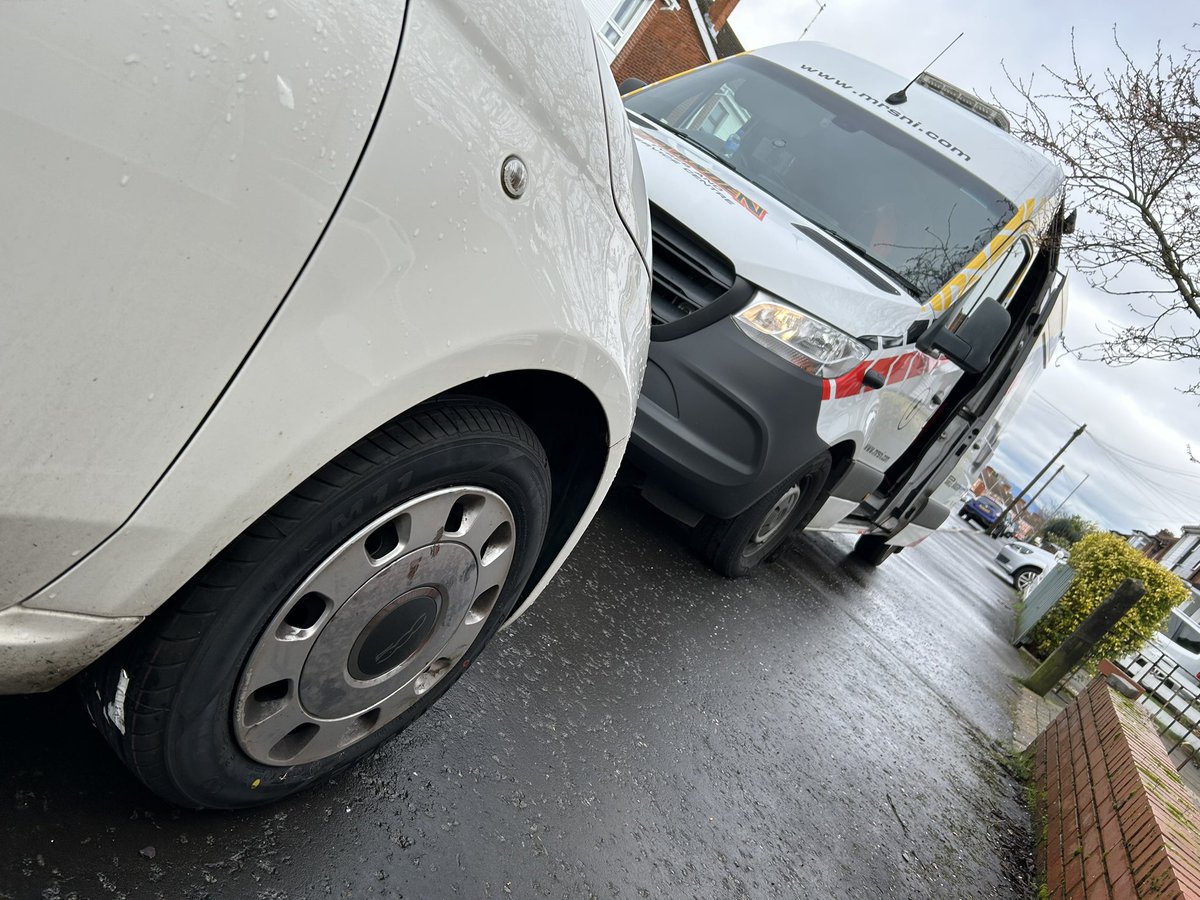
(647, 730)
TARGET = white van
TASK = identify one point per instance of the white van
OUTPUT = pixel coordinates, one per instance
(848, 277)
(323, 328)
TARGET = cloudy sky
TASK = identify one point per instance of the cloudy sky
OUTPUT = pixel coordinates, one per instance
(1138, 425)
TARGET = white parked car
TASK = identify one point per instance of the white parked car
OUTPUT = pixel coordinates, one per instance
(323, 330)
(1025, 563)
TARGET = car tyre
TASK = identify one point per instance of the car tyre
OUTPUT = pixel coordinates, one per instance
(1024, 577)
(175, 700)
(734, 547)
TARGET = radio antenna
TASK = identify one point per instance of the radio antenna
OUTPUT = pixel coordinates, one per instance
(820, 9)
(901, 96)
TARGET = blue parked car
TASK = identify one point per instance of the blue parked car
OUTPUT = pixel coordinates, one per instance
(983, 510)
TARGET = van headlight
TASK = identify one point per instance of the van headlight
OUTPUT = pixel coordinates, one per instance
(815, 346)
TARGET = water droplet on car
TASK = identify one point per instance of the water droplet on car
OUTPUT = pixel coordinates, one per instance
(284, 90)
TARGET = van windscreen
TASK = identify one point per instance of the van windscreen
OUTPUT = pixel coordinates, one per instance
(869, 180)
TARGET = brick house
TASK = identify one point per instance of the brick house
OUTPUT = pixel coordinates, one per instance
(652, 39)
(1152, 546)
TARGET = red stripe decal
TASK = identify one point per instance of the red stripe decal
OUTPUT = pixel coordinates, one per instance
(894, 369)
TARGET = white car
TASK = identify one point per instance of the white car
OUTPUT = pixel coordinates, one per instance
(324, 327)
(1025, 563)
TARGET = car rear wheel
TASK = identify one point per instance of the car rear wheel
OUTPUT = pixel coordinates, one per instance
(735, 546)
(1023, 578)
(336, 619)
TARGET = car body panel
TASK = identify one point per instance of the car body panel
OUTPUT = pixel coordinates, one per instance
(165, 172)
(428, 277)
(768, 251)
(1018, 555)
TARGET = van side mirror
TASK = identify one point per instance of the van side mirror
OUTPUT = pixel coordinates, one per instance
(629, 85)
(968, 341)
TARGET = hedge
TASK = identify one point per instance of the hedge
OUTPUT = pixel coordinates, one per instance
(1101, 562)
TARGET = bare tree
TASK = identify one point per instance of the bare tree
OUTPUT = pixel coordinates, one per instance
(1129, 141)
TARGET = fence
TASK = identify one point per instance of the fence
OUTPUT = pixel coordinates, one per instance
(1172, 699)
(1039, 599)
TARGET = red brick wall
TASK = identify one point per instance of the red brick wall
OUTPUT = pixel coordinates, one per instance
(1118, 821)
(665, 42)
(719, 12)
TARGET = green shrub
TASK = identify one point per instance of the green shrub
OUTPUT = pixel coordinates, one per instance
(1068, 530)
(1101, 562)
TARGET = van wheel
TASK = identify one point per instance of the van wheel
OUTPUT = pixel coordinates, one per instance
(735, 546)
(335, 620)
(872, 549)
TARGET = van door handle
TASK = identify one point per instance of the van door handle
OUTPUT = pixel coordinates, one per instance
(936, 400)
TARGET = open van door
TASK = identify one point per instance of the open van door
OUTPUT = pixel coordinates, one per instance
(918, 489)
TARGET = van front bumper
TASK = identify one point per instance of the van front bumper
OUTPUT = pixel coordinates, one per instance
(722, 420)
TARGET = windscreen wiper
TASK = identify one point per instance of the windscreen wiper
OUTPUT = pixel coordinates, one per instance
(859, 251)
(680, 133)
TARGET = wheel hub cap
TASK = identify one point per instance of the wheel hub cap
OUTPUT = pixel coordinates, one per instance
(395, 634)
(777, 515)
(374, 626)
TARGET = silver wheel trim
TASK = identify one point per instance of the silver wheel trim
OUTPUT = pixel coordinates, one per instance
(1025, 579)
(437, 562)
(777, 515)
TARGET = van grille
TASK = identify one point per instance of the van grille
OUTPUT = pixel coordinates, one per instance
(689, 273)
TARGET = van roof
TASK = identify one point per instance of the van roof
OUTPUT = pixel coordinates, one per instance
(1014, 169)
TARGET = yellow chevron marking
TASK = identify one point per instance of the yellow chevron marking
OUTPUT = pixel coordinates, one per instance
(958, 285)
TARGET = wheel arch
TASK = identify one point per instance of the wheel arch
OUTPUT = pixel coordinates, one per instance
(572, 427)
(841, 457)
(1016, 575)
(569, 422)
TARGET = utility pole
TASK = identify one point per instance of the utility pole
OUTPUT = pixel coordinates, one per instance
(1068, 497)
(1029, 505)
(998, 528)
(1078, 646)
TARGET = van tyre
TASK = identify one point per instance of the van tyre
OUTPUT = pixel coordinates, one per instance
(873, 549)
(733, 547)
(336, 619)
